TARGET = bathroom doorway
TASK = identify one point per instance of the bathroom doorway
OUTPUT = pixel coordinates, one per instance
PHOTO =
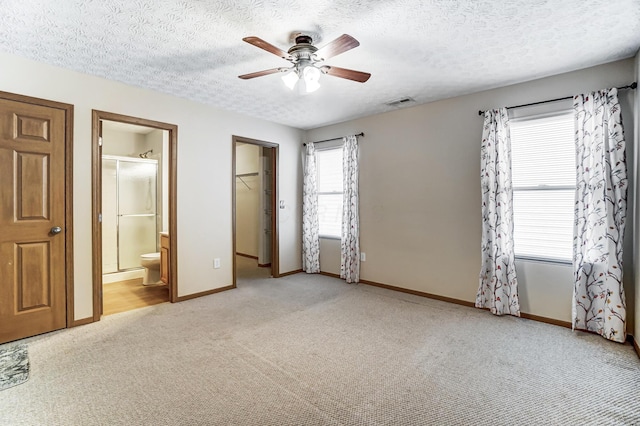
(255, 210)
(134, 213)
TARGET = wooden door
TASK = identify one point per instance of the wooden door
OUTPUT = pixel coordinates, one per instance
(32, 220)
(164, 259)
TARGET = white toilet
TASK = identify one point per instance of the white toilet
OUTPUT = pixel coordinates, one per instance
(151, 264)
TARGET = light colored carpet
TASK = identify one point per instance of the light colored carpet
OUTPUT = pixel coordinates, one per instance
(14, 365)
(312, 350)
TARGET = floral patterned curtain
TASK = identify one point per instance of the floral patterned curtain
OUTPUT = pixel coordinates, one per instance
(601, 202)
(498, 289)
(350, 238)
(310, 238)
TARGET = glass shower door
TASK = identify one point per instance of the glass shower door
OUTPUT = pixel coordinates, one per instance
(109, 216)
(137, 229)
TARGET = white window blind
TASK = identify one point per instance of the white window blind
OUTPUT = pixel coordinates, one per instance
(544, 180)
(329, 167)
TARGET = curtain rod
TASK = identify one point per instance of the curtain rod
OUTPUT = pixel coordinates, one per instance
(333, 139)
(629, 86)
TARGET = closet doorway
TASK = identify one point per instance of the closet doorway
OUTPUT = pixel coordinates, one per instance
(134, 225)
(255, 210)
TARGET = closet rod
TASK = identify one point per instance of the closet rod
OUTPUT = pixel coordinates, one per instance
(334, 139)
(241, 175)
(628, 86)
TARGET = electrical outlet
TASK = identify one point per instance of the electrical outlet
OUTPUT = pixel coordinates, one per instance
(363, 256)
(216, 263)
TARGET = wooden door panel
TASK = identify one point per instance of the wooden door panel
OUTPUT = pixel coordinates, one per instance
(164, 265)
(31, 128)
(32, 186)
(31, 282)
(32, 192)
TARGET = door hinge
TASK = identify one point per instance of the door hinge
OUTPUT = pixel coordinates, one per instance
(100, 141)
(100, 217)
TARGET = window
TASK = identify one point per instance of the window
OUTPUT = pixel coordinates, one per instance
(544, 181)
(329, 167)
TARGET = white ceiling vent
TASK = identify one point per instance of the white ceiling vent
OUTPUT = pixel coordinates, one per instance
(401, 102)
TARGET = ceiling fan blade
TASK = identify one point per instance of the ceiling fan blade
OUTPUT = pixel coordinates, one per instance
(340, 45)
(258, 42)
(358, 76)
(261, 73)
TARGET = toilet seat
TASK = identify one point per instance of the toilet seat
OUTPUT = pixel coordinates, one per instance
(150, 256)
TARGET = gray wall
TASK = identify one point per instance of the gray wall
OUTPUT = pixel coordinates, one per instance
(420, 192)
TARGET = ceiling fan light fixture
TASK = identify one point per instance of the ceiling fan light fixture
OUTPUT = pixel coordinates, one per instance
(311, 86)
(305, 87)
(311, 77)
(306, 80)
(290, 79)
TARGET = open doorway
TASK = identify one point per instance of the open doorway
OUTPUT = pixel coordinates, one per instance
(134, 213)
(255, 210)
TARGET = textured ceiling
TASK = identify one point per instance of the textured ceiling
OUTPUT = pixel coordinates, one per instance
(426, 50)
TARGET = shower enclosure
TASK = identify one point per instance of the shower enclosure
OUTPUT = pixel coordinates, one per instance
(129, 211)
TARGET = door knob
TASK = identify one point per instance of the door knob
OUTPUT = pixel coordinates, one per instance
(56, 230)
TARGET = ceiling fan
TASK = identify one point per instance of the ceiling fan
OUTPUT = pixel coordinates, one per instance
(306, 60)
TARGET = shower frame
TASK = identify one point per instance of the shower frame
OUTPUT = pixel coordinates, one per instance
(118, 159)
